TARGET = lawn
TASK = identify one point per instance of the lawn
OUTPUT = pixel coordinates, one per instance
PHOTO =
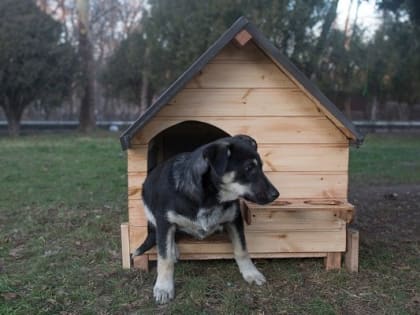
(62, 199)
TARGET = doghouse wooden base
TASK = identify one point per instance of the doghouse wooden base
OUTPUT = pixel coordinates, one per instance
(289, 230)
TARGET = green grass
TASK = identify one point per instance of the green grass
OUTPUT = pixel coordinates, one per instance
(387, 159)
(63, 197)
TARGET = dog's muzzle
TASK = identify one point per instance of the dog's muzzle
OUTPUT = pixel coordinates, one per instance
(264, 193)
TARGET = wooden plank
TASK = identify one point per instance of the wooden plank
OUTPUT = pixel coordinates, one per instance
(264, 219)
(333, 261)
(141, 262)
(125, 246)
(135, 185)
(309, 185)
(137, 236)
(266, 242)
(303, 220)
(326, 112)
(262, 129)
(136, 215)
(284, 205)
(240, 102)
(193, 256)
(304, 157)
(137, 158)
(249, 53)
(299, 204)
(246, 75)
(242, 38)
(299, 218)
(351, 258)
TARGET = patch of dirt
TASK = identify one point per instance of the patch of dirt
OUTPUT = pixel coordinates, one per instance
(390, 213)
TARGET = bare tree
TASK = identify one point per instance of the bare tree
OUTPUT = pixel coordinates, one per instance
(87, 102)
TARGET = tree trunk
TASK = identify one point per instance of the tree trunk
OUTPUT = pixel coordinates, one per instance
(144, 93)
(13, 120)
(320, 45)
(374, 109)
(347, 107)
(87, 104)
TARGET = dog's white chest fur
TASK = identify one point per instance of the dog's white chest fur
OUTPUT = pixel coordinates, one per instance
(206, 222)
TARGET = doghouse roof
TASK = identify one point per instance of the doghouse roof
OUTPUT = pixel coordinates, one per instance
(242, 24)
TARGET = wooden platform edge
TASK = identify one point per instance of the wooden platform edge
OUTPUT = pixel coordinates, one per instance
(141, 262)
(351, 258)
(125, 246)
(333, 261)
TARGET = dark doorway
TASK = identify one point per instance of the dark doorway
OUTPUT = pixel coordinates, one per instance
(182, 137)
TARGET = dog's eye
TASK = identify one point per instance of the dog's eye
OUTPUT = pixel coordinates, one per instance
(249, 167)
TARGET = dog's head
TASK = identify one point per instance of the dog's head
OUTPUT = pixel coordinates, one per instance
(235, 169)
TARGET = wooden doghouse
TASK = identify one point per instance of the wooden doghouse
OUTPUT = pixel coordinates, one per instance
(243, 85)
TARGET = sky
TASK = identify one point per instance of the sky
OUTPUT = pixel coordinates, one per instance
(368, 16)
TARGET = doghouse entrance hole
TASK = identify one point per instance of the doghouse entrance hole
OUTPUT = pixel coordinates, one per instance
(182, 137)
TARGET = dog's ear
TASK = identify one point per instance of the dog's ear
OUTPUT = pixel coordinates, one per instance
(217, 156)
(248, 140)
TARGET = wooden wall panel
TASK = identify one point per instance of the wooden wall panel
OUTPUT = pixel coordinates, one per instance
(282, 157)
(291, 185)
(247, 75)
(325, 111)
(266, 219)
(310, 185)
(297, 210)
(137, 158)
(267, 242)
(263, 129)
(304, 157)
(240, 102)
(249, 53)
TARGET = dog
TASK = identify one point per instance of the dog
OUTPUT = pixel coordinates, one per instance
(198, 193)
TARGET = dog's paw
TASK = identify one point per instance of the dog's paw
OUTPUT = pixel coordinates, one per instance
(163, 292)
(254, 276)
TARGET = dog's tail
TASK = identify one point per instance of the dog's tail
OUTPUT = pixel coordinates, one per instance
(148, 243)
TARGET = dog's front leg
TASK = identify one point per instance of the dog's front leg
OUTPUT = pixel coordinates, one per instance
(247, 268)
(164, 290)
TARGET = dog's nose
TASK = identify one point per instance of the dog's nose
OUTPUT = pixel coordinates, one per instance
(273, 193)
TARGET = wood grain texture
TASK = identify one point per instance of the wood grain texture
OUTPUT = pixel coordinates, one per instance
(297, 204)
(125, 246)
(342, 211)
(263, 129)
(242, 38)
(282, 157)
(292, 185)
(249, 53)
(193, 256)
(303, 220)
(326, 112)
(141, 262)
(137, 158)
(304, 157)
(267, 242)
(333, 261)
(244, 75)
(240, 102)
(351, 258)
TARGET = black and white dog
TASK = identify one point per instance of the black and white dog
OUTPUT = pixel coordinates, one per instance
(197, 193)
